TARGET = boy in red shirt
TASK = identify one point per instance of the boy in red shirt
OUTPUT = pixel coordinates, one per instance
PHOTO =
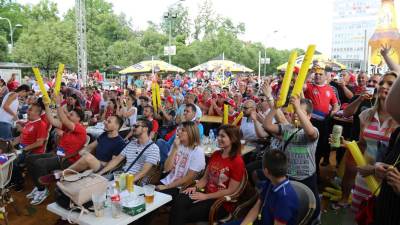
(72, 138)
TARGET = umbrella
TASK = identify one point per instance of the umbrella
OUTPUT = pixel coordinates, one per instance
(320, 59)
(147, 66)
(221, 64)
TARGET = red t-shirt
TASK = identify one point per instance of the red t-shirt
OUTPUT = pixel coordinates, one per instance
(73, 141)
(12, 85)
(32, 131)
(322, 97)
(46, 122)
(155, 125)
(95, 103)
(221, 170)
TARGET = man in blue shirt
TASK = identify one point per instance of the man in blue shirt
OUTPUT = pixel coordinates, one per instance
(189, 114)
(97, 154)
(278, 203)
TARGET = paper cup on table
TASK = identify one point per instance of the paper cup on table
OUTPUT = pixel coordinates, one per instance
(99, 200)
(149, 193)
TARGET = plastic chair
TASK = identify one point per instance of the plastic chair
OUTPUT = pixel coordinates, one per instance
(5, 195)
(307, 202)
(234, 198)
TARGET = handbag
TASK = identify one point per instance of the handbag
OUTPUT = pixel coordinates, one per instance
(79, 189)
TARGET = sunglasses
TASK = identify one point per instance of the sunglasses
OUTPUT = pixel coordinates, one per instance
(245, 108)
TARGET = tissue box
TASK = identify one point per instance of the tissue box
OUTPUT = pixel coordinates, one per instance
(133, 211)
(134, 206)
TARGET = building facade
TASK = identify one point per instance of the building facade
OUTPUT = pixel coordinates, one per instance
(354, 22)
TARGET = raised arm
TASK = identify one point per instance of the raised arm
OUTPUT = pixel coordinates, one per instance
(309, 129)
(54, 122)
(385, 49)
(63, 117)
(269, 125)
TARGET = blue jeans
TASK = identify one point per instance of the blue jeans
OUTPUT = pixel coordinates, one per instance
(5, 131)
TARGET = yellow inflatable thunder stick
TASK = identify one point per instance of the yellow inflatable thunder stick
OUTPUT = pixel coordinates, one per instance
(60, 72)
(158, 95)
(360, 161)
(237, 119)
(301, 77)
(39, 80)
(286, 80)
(154, 96)
(226, 110)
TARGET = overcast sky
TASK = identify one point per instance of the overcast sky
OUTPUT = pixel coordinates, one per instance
(298, 23)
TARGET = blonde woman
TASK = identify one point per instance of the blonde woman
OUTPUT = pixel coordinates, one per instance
(185, 160)
(376, 126)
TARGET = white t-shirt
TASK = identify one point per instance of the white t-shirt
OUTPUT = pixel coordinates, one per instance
(132, 119)
(185, 159)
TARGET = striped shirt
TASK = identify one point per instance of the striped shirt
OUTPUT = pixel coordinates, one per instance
(133, 149)
(376, 136)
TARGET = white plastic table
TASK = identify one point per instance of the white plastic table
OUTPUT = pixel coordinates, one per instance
(160, 199)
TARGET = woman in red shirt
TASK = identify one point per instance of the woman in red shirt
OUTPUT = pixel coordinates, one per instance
(12, 83)
(222, 177)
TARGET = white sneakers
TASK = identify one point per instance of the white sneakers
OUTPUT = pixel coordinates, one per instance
(38, 196)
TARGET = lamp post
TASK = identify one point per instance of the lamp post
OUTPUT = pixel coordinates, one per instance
(170, 15)
(265, 52)
(11, 31)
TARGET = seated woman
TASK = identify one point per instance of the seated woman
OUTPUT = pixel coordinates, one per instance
(185, 160)
(222, 177)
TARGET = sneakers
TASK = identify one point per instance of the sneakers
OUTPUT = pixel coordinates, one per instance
(47, 179)
(40, 196)
(32, 194)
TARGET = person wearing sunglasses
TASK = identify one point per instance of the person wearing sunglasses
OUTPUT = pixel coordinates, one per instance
(150, 157)
(250, 126)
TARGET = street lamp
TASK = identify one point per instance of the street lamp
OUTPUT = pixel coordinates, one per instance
(170, 15)
(11, 31)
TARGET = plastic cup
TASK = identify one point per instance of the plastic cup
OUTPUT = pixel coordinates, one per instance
(149, 193)
(99, 200)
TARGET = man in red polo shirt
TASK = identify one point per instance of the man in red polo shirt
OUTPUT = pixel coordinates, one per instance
(31, 141)
(325, 105)
(72, 138)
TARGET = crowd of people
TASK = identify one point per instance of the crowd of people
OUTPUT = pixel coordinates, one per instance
(290, 145)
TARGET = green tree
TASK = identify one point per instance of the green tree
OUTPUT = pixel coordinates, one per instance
(125, 53)
(47, 44)
(3, 48)
(42, 12)
(153, 42)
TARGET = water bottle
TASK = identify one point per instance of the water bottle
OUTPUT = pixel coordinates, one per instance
(116, 208)
(212, 139)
